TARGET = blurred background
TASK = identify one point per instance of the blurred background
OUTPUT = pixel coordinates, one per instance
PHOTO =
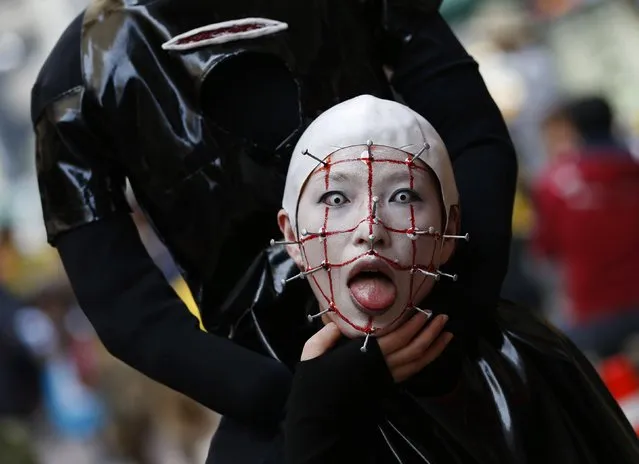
(564, 74)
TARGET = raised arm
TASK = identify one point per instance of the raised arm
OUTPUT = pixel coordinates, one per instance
(436, 77)
(135, 312)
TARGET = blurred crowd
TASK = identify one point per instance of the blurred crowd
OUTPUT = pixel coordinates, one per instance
(563, 73)
(63, 398)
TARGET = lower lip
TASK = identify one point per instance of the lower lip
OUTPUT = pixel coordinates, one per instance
(364, 309)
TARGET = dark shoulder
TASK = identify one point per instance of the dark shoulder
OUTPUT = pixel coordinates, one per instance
(525, 326)
(61, 72)
(426, 6)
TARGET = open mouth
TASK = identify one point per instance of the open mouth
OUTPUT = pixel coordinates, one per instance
(371, 286)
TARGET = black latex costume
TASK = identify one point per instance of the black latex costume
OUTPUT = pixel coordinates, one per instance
(204, 137)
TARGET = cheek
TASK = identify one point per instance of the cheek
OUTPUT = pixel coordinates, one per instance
(313, 252)
(426, 246)
(398, 217)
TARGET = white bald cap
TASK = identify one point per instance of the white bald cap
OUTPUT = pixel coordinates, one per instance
(355, 122)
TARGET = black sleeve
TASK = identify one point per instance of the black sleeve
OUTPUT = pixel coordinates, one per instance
(141, 321)
(79, 182)
(134, 310)
(437, 78)
(334, 404)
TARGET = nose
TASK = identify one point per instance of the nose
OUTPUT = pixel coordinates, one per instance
(371, 234)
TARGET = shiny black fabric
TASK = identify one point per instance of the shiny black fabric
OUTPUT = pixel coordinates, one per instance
(525, 394)
(210, 180)
(156, 117)
(184, 127)
(205, 148)
(517, 391)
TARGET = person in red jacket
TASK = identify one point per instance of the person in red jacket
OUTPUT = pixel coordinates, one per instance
(587, 204)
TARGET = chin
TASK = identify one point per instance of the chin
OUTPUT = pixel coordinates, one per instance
(381, 328)
(347, 330)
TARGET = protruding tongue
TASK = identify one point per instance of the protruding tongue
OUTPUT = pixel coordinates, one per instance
(374, 291)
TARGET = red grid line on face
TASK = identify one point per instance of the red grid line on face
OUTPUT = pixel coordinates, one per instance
(369, 163)
(412, 226)
(376, 160)
(325, 228)
(313, 235)
(411, 292)
(328, 300)
(328, 233)
(325, 233)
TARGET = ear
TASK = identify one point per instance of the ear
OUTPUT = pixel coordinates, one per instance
(453, 228)
(284, 222)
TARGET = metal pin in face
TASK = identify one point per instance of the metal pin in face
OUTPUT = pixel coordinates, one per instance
(302, 275)
(452, 277)
(369, 144)
(364, 347)
(424, 148)
(430, 231)
(306, 153)
(321, 233)
(371, 237)
(374, 212)
(324, 265)
(427, 312)
(426, 273)
(320, 314)
(283, 242)
(459, 237)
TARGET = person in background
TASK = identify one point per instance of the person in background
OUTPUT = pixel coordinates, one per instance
(20, 394)
(587, 208)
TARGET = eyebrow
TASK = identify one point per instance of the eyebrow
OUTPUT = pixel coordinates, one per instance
(398, 176)
(333, 177)
(338, 177)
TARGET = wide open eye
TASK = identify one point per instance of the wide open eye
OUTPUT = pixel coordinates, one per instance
(334, 199)
(405, 196)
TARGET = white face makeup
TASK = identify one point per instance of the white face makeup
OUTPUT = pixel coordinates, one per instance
(358, 221)
(367, 200)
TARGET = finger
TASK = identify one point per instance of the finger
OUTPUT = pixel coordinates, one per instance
(406, 371)
(418, 346)
(321, 342)
(402, 336)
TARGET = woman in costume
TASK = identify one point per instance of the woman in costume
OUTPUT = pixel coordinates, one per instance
(198, 105)
(370, 214)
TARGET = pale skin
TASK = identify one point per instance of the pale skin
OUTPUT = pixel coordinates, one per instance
(409, 347)
(407, 350)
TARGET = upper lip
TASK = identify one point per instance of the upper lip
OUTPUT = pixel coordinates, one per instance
(371, 264)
